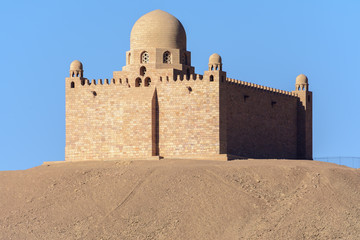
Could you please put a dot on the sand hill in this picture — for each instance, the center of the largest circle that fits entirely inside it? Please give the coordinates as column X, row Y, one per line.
column 249, row 199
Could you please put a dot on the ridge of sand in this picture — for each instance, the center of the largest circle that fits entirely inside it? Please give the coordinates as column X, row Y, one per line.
column 182, row 199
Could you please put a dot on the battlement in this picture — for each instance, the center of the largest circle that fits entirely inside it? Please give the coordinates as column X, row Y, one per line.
column 94, row 82
column 126, row 82
column 260, row 87
column 188, row 77
column 175, row 78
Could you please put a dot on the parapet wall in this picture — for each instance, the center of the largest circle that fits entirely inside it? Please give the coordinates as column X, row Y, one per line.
column 113, row 118
column 261, row 121
column 197, row 115
column 259, row 87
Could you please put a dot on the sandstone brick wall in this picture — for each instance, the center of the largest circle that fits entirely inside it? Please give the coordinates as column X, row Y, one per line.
column 260, row 123
column 193, row 117
column 114, row 121
column 189, row 117
column 111, row 125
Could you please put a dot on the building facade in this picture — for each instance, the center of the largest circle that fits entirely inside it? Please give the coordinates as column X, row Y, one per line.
column 158, row 107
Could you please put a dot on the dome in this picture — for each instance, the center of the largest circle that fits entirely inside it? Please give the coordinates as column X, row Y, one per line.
column 76, row 65
column 158, row 29
column 215, row 59
column 301, row 79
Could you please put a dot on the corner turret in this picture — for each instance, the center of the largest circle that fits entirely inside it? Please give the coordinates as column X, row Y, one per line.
column 215, row 72
column 76, row 69
column 301, row 83
column 304, row 116
column 215, row 62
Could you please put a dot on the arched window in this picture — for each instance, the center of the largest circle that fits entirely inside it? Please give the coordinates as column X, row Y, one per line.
column 211, row 78
column 142, row 71
column 72, row 85
column 147, row 82
column 145, row 57
column 138, row 82
column 184, row 59
column 167, row 57
column 129, row 57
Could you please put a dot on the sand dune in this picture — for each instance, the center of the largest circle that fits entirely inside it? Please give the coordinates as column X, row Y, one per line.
column 168, row 199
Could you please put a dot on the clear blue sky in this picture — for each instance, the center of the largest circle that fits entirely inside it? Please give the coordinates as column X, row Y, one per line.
column 265, row 42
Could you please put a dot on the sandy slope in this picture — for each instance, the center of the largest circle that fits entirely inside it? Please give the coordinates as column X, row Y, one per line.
column 248, row 199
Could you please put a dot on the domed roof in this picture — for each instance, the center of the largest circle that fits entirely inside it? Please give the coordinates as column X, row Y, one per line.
column 215, row 58
column 158, row 29
column 301, row 79
column 76, row 65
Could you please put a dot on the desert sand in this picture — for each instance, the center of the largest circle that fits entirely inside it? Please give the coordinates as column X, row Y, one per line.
column 181, row 199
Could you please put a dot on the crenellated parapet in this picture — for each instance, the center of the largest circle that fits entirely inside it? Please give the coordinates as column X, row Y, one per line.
column 259, row 87
column 83, row 82
column 188, row 77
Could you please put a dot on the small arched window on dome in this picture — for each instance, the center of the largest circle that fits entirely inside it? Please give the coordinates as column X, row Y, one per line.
column 167, row 57
column 138, row 82
column 145, row 57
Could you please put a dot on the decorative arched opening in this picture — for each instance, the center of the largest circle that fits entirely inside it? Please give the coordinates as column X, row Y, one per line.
column 147, row 82
column 129, row 57
column 187, row 74
column 145, row 57
column 211, row 78
column 184, row 59
column 167, row 57
column 72, row 85
column 212, row 68
column 155, row 125
column 138, row 82
column 142, row 71
column 72, row 74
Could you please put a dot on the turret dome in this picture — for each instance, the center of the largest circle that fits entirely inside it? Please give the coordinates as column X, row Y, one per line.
column 215, row 59
column 76, row 65
column 158, row 29
column 301, row 79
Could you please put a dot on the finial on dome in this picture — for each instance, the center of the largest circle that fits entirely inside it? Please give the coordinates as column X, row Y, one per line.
column 215, row 62
column 301, row 83
column 76, row 69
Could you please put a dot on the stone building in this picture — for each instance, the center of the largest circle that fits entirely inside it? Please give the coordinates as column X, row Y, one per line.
column 158, row 107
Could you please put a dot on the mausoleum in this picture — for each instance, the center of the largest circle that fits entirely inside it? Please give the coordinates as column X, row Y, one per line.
column 158, row 107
